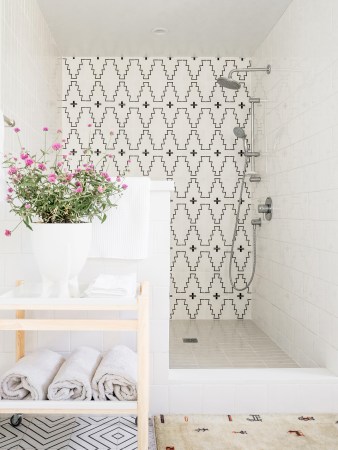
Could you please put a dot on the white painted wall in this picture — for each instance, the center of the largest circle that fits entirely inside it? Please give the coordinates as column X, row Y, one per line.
column 296, row 288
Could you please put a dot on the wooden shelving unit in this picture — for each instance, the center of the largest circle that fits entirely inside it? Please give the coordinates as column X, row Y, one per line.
column 21, row 304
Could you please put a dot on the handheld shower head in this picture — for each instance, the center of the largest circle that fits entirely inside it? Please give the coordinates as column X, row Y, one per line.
column 239, row 133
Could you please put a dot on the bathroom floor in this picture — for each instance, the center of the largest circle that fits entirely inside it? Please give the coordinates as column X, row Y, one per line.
column 223, row 344
column 71, row 433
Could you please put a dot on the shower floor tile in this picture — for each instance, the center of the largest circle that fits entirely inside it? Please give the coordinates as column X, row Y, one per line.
column 224, row 344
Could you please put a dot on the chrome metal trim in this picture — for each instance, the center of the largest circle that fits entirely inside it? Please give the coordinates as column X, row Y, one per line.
column 9, row 122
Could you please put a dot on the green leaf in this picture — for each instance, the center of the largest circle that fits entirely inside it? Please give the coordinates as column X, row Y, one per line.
column 25, row 221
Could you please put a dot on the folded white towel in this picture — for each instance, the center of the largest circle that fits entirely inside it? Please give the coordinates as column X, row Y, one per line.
column 116, row 376
column 30, row 377
column 73, row 380
column 107, row 285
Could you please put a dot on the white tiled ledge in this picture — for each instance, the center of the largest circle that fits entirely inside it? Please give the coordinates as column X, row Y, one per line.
column 198, row 376
column 159, row 185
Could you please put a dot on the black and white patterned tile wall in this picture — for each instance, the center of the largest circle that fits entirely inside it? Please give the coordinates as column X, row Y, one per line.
column 172, row 119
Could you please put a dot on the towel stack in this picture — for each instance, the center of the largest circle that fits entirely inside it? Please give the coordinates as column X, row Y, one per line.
column 107, row 286
column 83, row 376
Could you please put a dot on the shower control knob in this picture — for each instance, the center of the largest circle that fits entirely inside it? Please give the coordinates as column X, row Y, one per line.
column 266, row 208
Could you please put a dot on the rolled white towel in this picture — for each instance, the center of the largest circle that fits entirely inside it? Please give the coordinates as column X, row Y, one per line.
column 73, row 380
column 116, row 376
column 30, row 377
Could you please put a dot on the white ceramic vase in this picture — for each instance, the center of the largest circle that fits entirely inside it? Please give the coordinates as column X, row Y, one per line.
column 61, row 250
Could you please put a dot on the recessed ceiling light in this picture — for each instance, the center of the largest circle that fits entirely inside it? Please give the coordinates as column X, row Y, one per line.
column 160, row 31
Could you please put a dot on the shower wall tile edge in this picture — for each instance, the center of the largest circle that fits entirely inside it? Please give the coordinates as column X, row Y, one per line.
column 296, row 288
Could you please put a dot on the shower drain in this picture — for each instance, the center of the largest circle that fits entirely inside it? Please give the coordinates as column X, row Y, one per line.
column 190, row 340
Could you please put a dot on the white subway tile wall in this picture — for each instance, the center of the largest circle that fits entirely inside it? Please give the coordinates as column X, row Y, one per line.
column 30, row 87
column 296, row 287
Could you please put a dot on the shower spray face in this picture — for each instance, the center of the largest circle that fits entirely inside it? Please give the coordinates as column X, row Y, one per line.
column 228, row 83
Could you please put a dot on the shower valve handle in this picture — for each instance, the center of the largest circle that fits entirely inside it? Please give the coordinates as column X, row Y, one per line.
column 264, row 209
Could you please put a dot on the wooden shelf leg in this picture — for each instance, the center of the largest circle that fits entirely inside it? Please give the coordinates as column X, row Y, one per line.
column 143, row 370
column 20, row 335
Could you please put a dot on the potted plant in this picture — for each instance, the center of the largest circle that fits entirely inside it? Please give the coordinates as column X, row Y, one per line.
column 58, row 203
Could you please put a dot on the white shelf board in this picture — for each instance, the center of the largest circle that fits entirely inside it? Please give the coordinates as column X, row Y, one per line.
column 66, row 407
column 70, row 304
column 28, row 297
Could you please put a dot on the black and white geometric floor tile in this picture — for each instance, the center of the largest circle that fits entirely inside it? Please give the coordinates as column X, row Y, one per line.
column 71, row 433
column 10, row 436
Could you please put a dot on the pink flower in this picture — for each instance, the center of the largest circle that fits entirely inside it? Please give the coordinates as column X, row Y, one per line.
column 78, row 183
column 90, row 125
column 60, row 164
column 12, row 170
column 69, row 176
column 65, row 156
column 118, row 179
column 16, row 130
column 79, row 189
column 108, row 179
column 45, row 129
column 124, row 186
column 42, row 166
column 100, row 189
column 8, row 233
column 52, row 178
column 29, row 162
column 110, row 155
column 56, row 146
column 28, row 206
column 8, row 198
column 24, row 155
column 59, row 131
column 10, row 190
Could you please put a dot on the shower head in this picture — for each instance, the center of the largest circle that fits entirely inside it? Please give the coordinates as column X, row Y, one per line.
column 239, row 132
column 228, row 83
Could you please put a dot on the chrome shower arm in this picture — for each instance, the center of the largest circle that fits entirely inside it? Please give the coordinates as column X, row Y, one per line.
column 266, row 69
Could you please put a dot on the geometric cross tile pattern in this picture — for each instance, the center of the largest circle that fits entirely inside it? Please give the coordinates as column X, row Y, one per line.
column 71, row 433
column 174, row 122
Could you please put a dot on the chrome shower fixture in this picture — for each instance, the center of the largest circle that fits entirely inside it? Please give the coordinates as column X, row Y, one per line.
column 229, row 83
column 266, row 208
column 239, row 132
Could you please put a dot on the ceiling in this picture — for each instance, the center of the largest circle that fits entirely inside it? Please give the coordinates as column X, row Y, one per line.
column 194, row 27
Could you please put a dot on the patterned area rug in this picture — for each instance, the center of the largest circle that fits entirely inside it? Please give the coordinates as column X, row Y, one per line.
column 71, row 433
column 251, row 432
